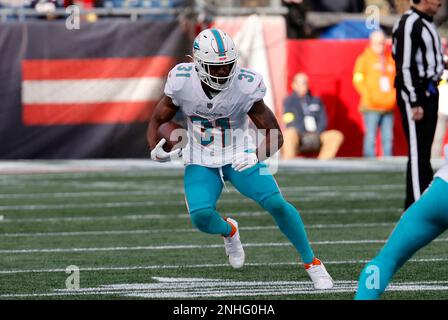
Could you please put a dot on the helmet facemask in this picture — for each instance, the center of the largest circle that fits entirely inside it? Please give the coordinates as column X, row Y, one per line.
column 215, row 82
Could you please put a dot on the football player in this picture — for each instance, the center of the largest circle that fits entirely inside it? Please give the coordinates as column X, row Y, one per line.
column 424, row 221
column 218, row 99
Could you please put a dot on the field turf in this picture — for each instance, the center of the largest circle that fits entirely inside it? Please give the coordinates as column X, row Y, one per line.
column 129, row 234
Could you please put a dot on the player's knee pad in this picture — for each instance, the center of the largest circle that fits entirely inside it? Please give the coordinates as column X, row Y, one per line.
column 275, row 204
column 201, row 218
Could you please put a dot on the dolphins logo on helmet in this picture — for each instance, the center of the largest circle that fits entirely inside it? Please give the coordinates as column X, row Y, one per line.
column 213, row 47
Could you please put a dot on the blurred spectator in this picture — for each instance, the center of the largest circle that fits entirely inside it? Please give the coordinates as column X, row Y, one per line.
column 442, row 121
column 112, row 3
column 47, row 7
column 41, row 3
column 296, row 26
column 14, row 3
column 133, row 3
column 350, row 6
column 255, row 3
column 85, row 5
column 11, row 4
column 306, row 123
column 373, row 78
column 385, row 7
column 401, row 6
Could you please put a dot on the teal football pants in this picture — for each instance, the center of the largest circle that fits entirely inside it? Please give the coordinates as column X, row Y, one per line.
column 203, row 187
column 424, row 221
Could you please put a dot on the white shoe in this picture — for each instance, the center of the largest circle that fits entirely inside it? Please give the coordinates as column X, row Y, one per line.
column 234, row 248
column 319, row 275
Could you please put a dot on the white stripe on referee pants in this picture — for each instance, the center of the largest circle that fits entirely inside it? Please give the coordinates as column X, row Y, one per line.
column 413, row 148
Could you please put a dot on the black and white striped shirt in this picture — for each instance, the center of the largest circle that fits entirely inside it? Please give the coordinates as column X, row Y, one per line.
column 418, row 54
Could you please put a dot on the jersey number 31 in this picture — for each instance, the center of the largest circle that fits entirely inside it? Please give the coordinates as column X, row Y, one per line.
column 206, row 136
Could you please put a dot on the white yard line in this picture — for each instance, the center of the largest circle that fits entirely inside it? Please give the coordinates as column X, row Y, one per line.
column 334, row 196
column 126, row 216
column 187, row 247
column 130, row 166
column 195, row 288
column 74, row 168
column 91, row 218
column 34, row 207
column 134, row 248
column 201, row 266
column 87, row 194
column 143, row 190
column 372, row 187
column 95, row 185
column 154, row 231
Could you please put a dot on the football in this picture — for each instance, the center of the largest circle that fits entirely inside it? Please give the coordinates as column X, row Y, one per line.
column 172, row 138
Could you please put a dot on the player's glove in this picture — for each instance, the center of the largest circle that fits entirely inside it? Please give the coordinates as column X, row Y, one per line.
column 245, row 160
column 160, row 155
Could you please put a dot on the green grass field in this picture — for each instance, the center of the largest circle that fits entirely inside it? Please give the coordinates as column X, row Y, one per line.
column 130, row 235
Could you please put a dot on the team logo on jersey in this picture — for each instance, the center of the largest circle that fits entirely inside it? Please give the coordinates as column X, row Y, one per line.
column 209, row 105
column 196, row 45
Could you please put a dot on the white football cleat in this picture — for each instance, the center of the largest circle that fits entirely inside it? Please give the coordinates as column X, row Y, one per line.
column 319, row 275
column 234, row 248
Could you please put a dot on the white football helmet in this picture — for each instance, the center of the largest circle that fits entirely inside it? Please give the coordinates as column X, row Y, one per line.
column 213, row 47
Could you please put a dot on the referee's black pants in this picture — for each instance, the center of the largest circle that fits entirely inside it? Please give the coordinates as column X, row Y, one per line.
column 420, row 135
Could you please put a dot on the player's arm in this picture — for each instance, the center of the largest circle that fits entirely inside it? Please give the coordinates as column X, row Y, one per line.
column 359, row 76
column 322, row 121
column 265, row 120
column 403, row 56
column 163, row 112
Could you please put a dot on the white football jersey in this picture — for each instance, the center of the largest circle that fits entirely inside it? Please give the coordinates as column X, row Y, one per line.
column 217, row 127
column 443, row 172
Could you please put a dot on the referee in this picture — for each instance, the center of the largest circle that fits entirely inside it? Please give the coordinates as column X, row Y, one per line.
column 417, row 51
